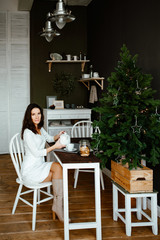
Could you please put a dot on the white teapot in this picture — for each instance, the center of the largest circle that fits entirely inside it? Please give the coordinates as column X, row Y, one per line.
column 65, row 139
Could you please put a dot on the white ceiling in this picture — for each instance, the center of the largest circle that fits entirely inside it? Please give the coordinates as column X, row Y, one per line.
column 24, row 5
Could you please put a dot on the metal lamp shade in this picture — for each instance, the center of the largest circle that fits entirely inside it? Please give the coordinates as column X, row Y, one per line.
column 61, row 16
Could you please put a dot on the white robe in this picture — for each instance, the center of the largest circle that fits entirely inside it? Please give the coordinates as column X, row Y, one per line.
column 34, row 168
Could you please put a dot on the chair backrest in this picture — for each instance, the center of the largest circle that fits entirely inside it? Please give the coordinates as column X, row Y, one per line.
column 83, row 129
column 16, row 150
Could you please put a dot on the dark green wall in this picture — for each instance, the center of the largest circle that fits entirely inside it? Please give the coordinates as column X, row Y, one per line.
column 72, row 40
column 135, row 23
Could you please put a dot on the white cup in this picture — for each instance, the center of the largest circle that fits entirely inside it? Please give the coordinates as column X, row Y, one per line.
column 75, row 58
column 70, row 147
column 68, row 57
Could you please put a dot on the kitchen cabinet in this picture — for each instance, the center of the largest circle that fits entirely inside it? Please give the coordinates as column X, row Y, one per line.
column 63, row 119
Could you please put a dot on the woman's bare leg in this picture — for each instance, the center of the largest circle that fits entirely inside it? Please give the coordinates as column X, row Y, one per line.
column 56, row 172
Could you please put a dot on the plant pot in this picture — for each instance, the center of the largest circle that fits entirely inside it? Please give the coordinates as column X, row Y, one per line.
column 134, row 181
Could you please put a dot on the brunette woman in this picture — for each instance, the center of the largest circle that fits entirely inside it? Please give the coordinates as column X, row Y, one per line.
column 34, row 168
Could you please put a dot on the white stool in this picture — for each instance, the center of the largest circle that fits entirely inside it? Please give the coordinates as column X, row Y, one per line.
column 152, row 221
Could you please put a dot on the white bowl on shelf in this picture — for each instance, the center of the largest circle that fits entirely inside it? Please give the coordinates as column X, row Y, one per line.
column 55, row 56
column 95, row 74
column 85, row 75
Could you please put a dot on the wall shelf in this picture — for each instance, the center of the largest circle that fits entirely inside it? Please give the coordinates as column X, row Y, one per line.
column 66, row 61
column 98, row 80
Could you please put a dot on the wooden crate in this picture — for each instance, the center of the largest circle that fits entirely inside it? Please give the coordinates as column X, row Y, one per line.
column 134, row 181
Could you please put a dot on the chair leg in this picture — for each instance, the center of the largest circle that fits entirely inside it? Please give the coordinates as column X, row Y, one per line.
column 76, row 178
column 34, row 209
column 102, row 180
column 17, row 198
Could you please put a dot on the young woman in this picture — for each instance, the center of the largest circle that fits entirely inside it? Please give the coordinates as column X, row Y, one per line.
column 34, row 168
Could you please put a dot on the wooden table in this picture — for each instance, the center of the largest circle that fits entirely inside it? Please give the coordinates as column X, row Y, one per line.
column 75, row 161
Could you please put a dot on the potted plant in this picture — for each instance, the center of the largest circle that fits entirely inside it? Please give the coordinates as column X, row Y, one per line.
column 129, row 119
column 64, row 83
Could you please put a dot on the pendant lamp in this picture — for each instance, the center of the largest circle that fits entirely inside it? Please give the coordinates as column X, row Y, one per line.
column 61, row 16
column 48, row 32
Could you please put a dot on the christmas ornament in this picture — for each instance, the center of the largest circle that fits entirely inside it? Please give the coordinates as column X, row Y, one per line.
column 118, row 156
column 138, row 90
column 157, row 115
column 136, row 128
column 115, row 99
column 134, row 65
column 97, row 138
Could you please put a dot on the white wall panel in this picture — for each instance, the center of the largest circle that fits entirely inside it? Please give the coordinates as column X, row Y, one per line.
column 19, row 69
column 4, row 132
column 19, row 56
column 3, row 91
column 4, row 94
column 3, row 24
column 16, row 122
column 19, row 27
column 18, row 104
column 3, row 59
column 19, row 82
column 14, row 73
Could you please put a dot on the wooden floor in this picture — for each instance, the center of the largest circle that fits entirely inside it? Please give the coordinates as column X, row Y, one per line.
column 81, row 204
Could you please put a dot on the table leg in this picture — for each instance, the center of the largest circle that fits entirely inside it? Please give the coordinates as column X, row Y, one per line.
column 154, row 214
column 138, row 205
column 65, row 199
column 128, row 214
column 115, row 202
column 98, row 202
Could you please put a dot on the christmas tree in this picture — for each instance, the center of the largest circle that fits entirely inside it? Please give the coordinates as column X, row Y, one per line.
column 129, row 121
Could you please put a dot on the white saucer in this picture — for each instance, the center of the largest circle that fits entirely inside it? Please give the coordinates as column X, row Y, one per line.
column 73, row 150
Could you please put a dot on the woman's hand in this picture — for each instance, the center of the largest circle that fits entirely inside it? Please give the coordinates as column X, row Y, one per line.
column 56, row 137
column 58, row 145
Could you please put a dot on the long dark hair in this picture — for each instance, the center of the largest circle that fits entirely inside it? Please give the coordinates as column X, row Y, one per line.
column 27, row 121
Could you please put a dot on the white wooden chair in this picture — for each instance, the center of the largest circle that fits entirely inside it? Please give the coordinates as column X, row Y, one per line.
column 17, row 153
column 84, row 129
